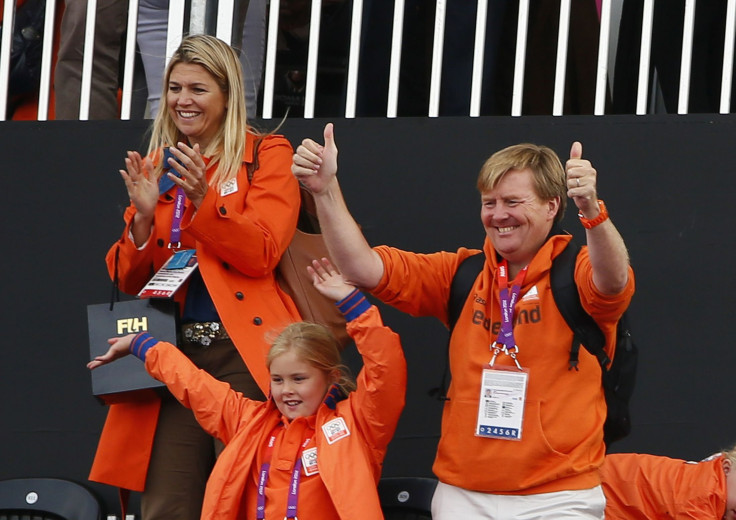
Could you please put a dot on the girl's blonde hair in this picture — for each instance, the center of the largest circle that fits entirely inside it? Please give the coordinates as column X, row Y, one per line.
column 314, row 344
column 228, row 145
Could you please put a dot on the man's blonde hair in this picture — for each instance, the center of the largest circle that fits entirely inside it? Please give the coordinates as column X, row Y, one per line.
column 549, row 176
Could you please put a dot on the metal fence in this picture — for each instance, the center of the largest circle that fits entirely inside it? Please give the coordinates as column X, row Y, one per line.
column 192, row 12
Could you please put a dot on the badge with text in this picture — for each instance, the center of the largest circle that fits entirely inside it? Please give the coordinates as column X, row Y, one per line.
column 309, row 461
column 335, row 430
column 501, row 404
column 171, row 276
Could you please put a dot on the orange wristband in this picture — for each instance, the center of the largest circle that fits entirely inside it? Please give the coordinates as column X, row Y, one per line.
column 593, row 222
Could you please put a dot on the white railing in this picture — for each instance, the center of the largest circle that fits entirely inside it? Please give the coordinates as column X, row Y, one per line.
column 224, row 30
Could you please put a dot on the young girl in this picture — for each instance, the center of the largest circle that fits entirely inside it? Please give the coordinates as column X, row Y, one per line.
column 650, row 487
column 310, row 450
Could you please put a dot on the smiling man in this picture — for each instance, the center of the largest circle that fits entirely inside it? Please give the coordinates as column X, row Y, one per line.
column 522, row 435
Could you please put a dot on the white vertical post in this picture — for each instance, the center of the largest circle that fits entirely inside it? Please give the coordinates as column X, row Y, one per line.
column 129, row 60
column 6, row 43
column 561, row 66
column 44, row 88
column 727, row 77
column 353, row 59
column 87, row 60
column 175, row 31
column 686, row 61
column 476, row 87
column 435, row 82
column 520, row 61
column 395, row 66
column 312, row 59
column 270, row 71
column 601, row 82
column 644, row 55
column 225, row 15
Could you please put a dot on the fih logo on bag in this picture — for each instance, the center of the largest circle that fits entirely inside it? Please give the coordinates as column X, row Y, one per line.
column 131, row 325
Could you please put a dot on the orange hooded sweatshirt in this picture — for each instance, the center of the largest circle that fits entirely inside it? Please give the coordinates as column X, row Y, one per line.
column 562, row 431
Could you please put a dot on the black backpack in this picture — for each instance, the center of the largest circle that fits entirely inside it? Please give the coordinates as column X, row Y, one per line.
column 619, row 376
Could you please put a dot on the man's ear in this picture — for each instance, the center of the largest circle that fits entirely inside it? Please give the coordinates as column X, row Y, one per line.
column 726, row 465
column 554, row 206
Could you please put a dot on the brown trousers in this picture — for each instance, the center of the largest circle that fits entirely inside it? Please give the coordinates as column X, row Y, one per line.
column 111, row 20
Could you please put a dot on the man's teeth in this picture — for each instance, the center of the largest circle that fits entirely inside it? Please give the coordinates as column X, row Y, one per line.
column 506, row 229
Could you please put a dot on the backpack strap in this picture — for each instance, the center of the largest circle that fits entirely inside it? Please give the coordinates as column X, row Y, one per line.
column 462, row 283
column 565, row 292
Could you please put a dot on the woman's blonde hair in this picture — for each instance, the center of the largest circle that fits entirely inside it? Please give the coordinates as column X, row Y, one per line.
column 314, row 344
column 549, row 176
column 228, row 145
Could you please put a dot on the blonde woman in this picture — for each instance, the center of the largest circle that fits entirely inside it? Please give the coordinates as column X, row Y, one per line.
column 192, row 194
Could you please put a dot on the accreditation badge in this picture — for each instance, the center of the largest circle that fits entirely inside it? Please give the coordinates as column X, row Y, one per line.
column 171, row 276
column 501, row 403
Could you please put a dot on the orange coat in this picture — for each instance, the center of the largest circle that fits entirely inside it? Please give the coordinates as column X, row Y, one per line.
column 239, row 239
column 552, row 455
column 349, row 467
column 649, row 487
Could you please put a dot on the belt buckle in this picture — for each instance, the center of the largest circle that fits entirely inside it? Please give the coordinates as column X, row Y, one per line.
column 202, row 333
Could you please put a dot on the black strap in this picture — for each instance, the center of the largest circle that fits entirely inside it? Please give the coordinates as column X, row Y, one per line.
column 462, row 283
column 115, row 294
column 565, row 292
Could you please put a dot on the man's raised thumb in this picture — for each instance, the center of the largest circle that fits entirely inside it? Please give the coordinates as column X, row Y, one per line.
column 329, row 135
column 576, row 151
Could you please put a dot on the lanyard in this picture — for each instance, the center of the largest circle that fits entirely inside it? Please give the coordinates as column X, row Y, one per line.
column 175, row 237
column 505, row 341
column 263, row 478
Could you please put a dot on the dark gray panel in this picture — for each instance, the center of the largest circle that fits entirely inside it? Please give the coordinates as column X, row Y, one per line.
column 668, row 182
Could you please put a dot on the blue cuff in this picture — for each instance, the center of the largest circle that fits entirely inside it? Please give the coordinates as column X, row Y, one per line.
column 140, row 345
column 353, row 305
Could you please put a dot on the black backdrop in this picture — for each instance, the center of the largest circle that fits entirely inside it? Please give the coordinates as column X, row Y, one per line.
column 668, row 181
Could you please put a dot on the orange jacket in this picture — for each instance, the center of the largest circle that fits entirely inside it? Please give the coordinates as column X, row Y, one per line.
column 649, row 487
column 239, row 239
column 349, row 467
column 562, row 431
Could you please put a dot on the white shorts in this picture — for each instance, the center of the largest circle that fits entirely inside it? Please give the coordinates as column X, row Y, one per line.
column 453, row 503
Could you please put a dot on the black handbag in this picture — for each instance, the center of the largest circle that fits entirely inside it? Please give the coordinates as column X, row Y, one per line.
column 124, row 379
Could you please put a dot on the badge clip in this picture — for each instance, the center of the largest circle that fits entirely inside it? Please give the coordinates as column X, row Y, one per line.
column 509, row 352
